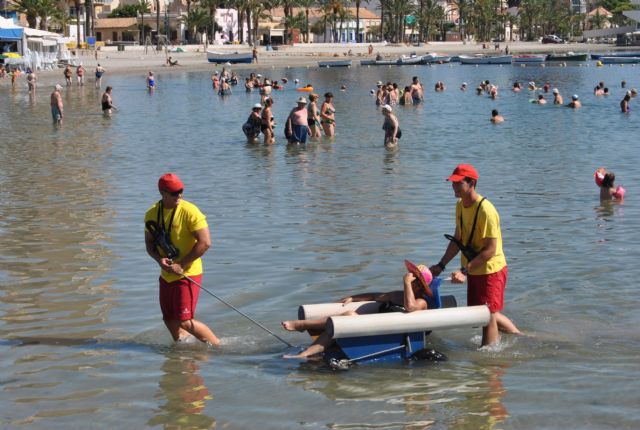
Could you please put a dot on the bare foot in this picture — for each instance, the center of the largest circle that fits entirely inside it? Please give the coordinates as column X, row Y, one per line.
column 293, row 325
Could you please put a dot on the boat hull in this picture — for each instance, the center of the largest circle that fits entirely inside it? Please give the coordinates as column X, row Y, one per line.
column 435, row 59
column 527, row 59
column 615, row 54
column 502, row 59
column 338, row 63
column 221, row 58
column 619, row 60
column 575, row 57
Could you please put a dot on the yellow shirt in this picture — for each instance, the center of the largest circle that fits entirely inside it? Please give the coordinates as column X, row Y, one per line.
column 186, row 220
column 487, row 226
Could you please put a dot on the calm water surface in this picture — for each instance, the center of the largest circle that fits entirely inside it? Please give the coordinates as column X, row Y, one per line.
column 81, row 337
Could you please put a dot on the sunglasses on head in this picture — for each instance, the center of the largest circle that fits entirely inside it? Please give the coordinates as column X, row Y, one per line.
column 176, row 193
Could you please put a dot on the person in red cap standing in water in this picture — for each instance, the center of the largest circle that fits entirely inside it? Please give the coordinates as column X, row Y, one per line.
column 176, row 236
column 484, row 266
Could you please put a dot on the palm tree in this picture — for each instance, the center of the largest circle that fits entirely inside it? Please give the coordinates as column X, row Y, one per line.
column 196, row 21
column 307, row 4
column 31, row 8
column 61, row 18
column 358, row 2
column 89, row 17
column 211, row 6
column 143, row 7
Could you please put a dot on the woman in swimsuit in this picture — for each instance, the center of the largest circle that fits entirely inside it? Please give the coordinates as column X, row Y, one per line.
column 267, row 124
column 313, row 116
column 107, row 101
column 99, row 73
column 327, row 113
column 151, row 81
column 391, row 127
column 251, row 128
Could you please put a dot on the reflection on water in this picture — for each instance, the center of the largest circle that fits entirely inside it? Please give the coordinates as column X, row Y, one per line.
column 183, row 394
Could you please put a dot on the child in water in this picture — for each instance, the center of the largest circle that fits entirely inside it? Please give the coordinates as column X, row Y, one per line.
column 606, row 181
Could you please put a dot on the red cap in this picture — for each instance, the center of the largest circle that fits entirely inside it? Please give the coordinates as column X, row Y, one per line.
column 170, row 182
column 463, row 171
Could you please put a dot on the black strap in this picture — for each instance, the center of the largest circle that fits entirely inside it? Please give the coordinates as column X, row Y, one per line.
column 160, row 218
column 473, row 227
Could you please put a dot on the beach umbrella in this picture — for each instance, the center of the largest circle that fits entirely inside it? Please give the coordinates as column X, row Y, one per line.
column 12, row 55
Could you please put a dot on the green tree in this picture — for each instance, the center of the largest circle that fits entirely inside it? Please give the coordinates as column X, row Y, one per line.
column 307, row 5
column 34, row 9
column 143, row 7
column 124, row 11
column 196, row 22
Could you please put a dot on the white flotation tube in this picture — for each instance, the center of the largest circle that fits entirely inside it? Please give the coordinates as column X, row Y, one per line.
column 396, row 322
column 324, row 310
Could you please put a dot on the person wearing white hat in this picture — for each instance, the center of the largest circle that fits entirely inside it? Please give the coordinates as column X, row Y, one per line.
column 56, row 104
column 296, row 128
column 391, row 127
column 380, row 94
column 574, row 103
column 557, row 98
column 463, row 87
column 251, row 128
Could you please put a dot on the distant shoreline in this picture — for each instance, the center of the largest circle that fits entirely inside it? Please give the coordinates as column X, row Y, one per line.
column 134, row 61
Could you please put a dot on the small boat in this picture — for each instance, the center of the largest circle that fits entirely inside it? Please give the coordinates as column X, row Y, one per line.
column 619, row 60
column 435, row 58
column 367, row 62
column 233, row 58
column 413, row 59
column 372, row 337
column 615, row 54
column 481, row 59
column 567, row 57
column 335, row 63
column 527, row 59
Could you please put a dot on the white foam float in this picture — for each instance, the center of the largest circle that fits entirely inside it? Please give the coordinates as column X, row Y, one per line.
column 396, row 322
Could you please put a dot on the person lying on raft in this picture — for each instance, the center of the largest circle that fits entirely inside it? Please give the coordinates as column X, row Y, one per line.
column 412, row 298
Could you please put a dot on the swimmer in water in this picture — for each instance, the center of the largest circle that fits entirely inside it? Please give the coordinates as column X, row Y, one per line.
column 496, row 118
column 606, row 181
column 624, row 104
column 327, row 115
column 541, row 100
column 575, row 102
column 557, row 98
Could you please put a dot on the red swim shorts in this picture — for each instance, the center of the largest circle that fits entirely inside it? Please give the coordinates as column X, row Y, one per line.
column 178, row 299
column 487, row 290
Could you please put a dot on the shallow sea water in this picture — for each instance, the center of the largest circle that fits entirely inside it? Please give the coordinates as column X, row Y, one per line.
column 81, row 337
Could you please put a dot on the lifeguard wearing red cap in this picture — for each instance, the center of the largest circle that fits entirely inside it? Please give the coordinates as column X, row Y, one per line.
column 463, row 171
column 170, row 182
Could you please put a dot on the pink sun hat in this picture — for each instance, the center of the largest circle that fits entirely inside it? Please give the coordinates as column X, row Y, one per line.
column 421, row 272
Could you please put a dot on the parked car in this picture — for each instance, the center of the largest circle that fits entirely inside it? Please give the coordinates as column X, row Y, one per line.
column 552, row 38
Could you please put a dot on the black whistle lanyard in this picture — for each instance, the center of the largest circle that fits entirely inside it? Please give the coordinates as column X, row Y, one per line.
column 473, row 227
column 160, row 218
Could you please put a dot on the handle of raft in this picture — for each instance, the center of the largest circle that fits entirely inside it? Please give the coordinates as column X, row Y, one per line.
column 237, row 310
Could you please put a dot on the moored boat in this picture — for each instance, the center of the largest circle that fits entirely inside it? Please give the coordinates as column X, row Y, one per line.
column 413, row 59
column 615, row 54
column 481, row 59
column 529, row 58
column 335, row 63
column 567, row 57
column 435, row 58
column 233, row 58
column 619, row 60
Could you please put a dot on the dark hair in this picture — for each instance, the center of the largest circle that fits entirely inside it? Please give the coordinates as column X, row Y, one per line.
column 109, row 88
column 540, row 96
column 494, row 112
column 608, row 180
column 313, row 97
column 470, row 181
column 328, row 95
column 268, row 101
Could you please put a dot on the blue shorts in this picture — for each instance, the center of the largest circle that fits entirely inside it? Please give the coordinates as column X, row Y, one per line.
column 56, row 114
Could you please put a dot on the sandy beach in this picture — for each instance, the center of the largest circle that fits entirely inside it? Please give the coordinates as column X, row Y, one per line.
column 134, row 59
